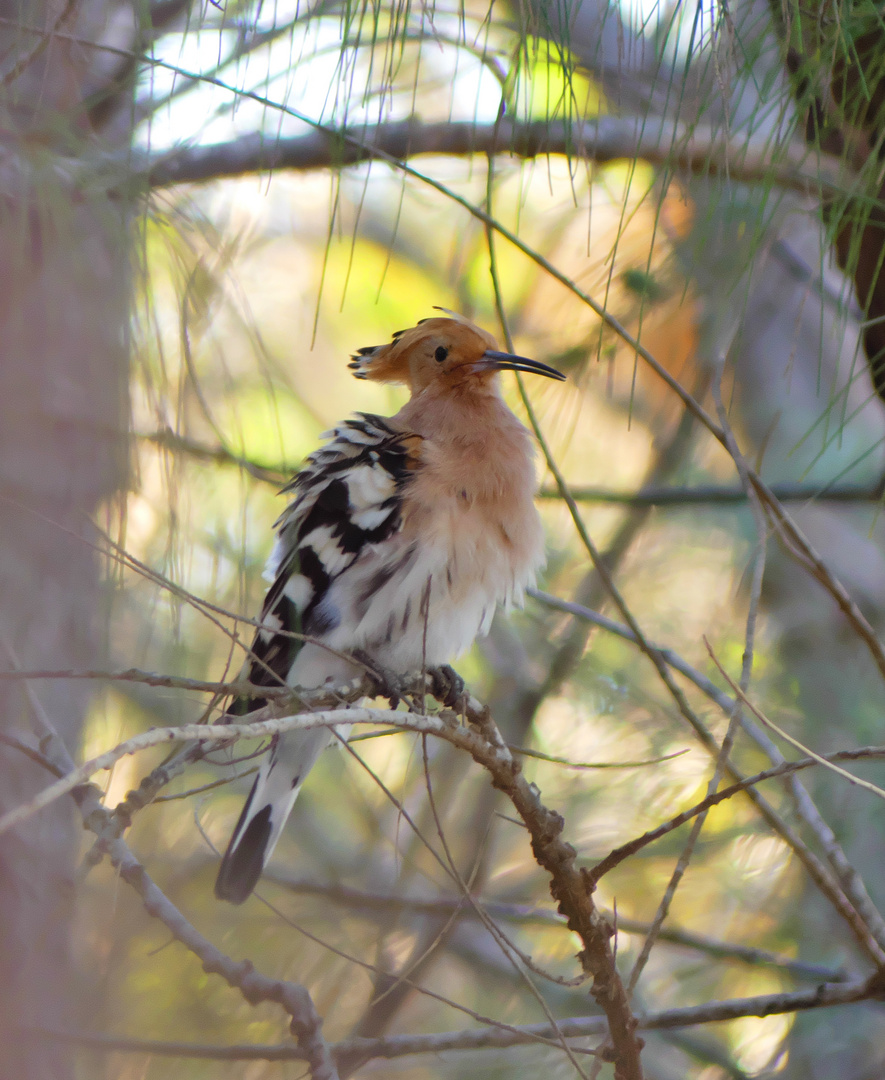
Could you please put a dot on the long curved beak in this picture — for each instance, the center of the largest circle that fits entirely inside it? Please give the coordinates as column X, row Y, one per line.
column 502, row 361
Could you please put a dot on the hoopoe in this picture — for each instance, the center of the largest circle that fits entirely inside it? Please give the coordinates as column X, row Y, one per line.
column 403, row 535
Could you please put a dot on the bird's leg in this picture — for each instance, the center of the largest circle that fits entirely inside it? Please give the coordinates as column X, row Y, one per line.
column 387, row 683
column 446, row 685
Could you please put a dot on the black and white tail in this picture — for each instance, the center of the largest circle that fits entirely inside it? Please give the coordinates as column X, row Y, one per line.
column 269, row 804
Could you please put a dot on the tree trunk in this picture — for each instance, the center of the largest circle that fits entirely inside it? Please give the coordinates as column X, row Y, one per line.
column 64, row 295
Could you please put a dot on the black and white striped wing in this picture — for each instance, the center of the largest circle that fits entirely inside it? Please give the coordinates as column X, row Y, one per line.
column 348, row 496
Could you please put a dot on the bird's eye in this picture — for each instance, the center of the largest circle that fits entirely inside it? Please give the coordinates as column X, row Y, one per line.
column 441, row 353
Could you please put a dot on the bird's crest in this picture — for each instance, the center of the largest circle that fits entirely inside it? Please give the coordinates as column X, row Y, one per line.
column 390, row 362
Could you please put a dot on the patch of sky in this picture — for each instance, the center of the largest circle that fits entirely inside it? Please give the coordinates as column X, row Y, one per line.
column 266, row 71
column 682, row 28
column 238, row 89
column 643, row 15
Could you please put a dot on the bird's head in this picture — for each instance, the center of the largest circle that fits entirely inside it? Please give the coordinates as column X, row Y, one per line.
column 453, row 352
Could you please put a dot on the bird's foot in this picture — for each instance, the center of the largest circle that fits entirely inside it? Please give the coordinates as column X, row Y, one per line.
column 446, row 685
column 387, row 683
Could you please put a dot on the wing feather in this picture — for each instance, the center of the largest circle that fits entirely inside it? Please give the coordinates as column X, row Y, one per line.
column 348, row 495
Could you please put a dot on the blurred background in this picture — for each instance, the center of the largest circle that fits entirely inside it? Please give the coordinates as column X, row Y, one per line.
column 189, row 257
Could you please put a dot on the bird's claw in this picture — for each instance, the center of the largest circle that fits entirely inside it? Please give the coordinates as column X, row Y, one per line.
column 387, row 683
column 446, row 685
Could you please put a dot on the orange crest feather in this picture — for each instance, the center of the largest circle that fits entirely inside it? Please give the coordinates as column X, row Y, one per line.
column 389, row 363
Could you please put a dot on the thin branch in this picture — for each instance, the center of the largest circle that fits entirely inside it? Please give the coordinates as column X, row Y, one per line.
column 650, row 495
column 235, row 688
column 114, row 1044
column 612, row 626
column 167, row 439
column 152, row 678
column 305, row 1023
column 699, row 150
column 713, row 495
column 586, row 766
column 29, row 752
column 395, row 1046
column 278, row 724
column 820, row 759
column 787, row 768
column 385, row 903
column 205, row 787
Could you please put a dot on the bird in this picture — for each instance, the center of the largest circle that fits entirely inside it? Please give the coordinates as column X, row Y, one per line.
column 403, row 535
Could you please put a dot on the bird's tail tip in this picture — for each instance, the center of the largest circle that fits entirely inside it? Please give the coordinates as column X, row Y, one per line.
column 244, row 859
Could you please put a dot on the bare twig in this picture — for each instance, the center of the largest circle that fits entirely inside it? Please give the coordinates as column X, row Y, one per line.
column 384, row 903
column 714, row 495
column 29, row 752
column 787, row 768
column 606, row 138
column 649, row 495
column 395, row 1046
column 222, row 782
column 305, row 1023
column 176, row 682
column 167, row 439
column 820, row 759
column 216, row 733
